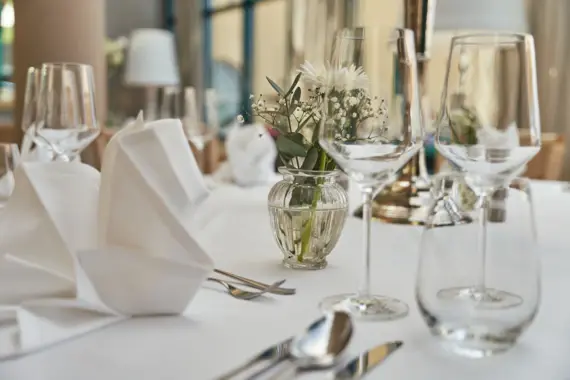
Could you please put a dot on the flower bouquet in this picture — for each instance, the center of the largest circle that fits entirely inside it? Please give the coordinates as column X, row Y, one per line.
column 308, row 208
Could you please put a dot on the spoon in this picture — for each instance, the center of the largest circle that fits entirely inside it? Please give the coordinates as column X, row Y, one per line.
column 317, row 348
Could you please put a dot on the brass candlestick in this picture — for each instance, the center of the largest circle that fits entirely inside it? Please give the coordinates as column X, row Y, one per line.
column 400, row 202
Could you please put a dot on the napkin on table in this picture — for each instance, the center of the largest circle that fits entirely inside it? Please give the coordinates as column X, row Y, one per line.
column 141, row 260
column 251, row 155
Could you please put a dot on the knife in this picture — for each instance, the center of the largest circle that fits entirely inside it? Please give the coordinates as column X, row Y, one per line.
column 358, row 367
column 273, row 353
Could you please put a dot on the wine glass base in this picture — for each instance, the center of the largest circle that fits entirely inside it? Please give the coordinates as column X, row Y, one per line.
column 487, row 298
column 373, row 307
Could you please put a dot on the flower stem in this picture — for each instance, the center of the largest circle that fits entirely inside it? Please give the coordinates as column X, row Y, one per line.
column 306, row 235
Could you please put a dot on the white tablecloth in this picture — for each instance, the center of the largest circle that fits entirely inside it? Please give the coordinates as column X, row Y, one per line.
column 221, row 332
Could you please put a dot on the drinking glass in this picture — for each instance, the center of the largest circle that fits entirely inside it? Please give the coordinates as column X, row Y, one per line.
column 170, row 105
column 449, row 264
column 30, row 100
column 490, row 93
column 200, row 133
column 9, row 159
column 65, row 119
column 371, row 126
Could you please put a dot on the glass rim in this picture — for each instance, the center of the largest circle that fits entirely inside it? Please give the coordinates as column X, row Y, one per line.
column 64, row 65
column 308, row 173
column 498, row 38
column 352, row 30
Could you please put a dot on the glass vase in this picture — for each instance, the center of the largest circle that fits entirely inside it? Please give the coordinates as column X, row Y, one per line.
column 307, row 210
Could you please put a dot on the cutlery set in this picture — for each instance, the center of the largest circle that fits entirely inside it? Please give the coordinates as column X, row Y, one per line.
column 242, row 294
column 318, row 348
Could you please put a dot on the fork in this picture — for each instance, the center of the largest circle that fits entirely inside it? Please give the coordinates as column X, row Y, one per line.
column 244, row 294
column 256, row 284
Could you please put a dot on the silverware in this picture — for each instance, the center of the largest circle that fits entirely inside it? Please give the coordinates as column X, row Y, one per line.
column 276, row 352
column 256, row 284
column 317, row 348
column 367, row 361
column 244, row 294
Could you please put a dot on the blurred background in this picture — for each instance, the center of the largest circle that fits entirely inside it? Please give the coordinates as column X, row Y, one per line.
column 232, row 45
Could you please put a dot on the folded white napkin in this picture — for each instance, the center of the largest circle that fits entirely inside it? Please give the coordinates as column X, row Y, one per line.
column 125, row 249
column 251, row 155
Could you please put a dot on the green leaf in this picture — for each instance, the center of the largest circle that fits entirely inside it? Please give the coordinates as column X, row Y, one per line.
column 297, row 137
column 275, row 86
column 310, row 159
column 296, row 95
column 293, row 85
column 289, row 146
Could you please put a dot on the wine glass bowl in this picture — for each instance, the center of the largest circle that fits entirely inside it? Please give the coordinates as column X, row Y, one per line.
column 65, row 119
column 371, row 126
column 489, row 94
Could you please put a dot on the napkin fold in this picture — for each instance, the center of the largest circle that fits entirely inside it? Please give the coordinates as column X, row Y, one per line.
column 136, row 255
column 251, row 155
column 51, row 214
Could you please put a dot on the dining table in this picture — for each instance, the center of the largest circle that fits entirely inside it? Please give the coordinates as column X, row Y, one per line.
column 219, row 332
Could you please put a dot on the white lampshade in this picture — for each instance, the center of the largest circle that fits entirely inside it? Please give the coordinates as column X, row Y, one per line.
column 481, row 15
column 151, row 59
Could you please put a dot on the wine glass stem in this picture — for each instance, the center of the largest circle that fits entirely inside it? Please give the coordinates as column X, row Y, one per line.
column 364, row 291
column 483, row 243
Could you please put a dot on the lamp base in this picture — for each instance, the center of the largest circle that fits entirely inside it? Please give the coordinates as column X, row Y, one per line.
column 400, row 203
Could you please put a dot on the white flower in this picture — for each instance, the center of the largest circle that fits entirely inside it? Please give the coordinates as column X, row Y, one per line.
column 336, row 106
column 354, row 114
column 324, row 75
column 353, row 101
column 334, row 99
column 281, row 101
column 343, row 120
column 298, row 112
column 251, row 96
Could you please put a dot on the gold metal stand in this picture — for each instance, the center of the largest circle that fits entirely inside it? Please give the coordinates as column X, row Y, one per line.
column 401, row 202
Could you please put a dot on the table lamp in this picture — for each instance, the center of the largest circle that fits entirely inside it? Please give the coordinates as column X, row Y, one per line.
column 152, row 64
column 481, row 15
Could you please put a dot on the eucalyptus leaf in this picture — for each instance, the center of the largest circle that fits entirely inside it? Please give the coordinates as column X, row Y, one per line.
column 293, row 85
column 275, row 86
column 310, row 159
column 297, row 137
column 287, row 146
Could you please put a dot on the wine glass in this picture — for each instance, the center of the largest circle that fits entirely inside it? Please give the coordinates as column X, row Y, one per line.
column 449, row 264
column 200, row 133
column 371, row 126
column 65, row 119
column 490, row 93
column 30, row 101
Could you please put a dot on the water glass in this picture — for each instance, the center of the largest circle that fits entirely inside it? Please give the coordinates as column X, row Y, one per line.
column 9, row 160
column 200, row 133
column 452, row 271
